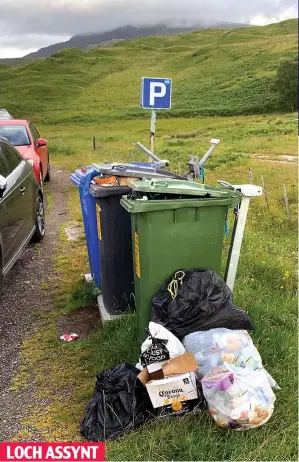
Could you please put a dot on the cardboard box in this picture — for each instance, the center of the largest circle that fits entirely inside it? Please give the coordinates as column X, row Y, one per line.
column 174, row 390
column 171, row 385
column 179, row 365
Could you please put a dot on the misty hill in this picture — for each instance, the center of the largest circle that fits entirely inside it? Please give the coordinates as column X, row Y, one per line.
column 124, row 33
column 214, row 72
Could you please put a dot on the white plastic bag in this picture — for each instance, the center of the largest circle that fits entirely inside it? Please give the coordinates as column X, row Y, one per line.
column 170, row 347
column 216, row 347
column 238, row 398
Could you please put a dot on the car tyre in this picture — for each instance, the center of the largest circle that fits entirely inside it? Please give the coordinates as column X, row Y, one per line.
column 39, row 220
column 48, row 175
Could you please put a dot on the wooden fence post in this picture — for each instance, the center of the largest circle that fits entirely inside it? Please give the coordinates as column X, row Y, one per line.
column 250, row 175
column 94, row 143
column 265, row 192
column 286, row 200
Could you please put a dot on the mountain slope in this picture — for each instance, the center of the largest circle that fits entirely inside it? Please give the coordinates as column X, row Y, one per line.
column 128, row 32
column 214, row 72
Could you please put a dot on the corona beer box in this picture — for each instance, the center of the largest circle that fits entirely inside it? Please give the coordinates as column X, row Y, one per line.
column 173, row 391
column 171, row 385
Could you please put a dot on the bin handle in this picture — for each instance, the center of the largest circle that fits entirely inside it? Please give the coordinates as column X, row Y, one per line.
column 158, row 183
column 225, row 184
column 120, row 168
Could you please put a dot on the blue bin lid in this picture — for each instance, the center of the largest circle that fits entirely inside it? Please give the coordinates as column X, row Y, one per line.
column 82, row 177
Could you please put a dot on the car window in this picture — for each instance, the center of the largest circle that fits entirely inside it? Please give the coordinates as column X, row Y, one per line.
column 12, row 157
column 15, row 134
column 34, row 132
column 3, row 166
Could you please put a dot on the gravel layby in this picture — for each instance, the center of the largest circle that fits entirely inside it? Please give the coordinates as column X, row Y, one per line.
column 22, row 295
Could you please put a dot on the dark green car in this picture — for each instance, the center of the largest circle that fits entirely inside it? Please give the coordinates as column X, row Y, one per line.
column 21, row 207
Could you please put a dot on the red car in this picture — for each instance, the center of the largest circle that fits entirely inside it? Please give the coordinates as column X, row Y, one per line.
column 25, row 137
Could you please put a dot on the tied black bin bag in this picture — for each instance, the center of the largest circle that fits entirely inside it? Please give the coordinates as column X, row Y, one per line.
column 120, row 404
column 193, row 300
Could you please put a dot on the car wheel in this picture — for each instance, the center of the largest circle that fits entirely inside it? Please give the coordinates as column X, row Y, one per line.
column 39, row 221
column 48, row 175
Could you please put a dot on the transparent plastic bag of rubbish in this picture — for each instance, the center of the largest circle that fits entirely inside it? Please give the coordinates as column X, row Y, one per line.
column 238, row 398
column 216, row 347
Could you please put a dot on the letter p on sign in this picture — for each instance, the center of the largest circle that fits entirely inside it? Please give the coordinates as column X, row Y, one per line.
column 156, row 93
column 157, row 90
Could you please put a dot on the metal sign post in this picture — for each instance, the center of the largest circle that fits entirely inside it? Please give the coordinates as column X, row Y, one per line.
column 248, row 192
column 153, row 130
column 155, row 94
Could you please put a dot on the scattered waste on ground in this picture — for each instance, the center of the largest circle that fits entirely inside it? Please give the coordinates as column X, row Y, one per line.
column 238, row 398
column 198, row 354
column 120, row 404
column 69, row 337
column 194, row 300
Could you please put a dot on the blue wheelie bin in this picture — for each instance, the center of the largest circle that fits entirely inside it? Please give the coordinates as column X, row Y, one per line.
column 82, row 178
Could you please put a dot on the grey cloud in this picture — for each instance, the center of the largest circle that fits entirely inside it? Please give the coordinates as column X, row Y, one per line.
column 48, row 19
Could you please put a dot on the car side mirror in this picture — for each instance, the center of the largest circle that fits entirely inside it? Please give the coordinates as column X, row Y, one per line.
column 41, row 142
column 3, row 185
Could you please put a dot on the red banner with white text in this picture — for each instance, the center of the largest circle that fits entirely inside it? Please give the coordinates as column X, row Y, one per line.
column 46, row 452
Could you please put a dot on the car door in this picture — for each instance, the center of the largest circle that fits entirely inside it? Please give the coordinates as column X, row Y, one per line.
column 16, row 202
column 41, row 151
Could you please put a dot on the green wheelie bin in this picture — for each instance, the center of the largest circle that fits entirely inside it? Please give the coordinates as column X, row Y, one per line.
column 175, row 224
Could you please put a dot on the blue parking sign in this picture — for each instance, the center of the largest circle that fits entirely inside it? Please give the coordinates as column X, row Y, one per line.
column 155, row 93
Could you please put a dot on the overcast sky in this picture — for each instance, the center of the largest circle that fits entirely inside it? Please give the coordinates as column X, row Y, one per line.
column 27, row 25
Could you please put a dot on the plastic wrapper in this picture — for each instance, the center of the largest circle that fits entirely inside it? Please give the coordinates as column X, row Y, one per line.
column 194, row 300
column 238, row 398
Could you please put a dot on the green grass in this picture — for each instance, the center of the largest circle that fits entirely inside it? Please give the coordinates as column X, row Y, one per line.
column 84, row 294
column 266, row 287
column 214, row 72
column 70, row 146
column 96, row 94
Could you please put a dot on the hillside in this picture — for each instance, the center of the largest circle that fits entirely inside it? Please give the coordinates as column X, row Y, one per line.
column 84, row 41
column 214, row 72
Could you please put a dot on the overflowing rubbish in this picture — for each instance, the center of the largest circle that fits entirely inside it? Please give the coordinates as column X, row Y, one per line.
column 173, row 386
column 216, row 367
column 120, row 404
column 195, row 300
column 198, row 353
column 133, row 171
column 159, row 346
column 238, row 398
column 68, row 337
column 216, row 347
column 170, row 233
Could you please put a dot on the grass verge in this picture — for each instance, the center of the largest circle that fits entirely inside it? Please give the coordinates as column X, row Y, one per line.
column 64, row 374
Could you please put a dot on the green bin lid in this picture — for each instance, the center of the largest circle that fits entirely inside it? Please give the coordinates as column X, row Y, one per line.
column 174, row 186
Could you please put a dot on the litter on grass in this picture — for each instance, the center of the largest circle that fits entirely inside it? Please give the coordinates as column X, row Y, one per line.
column 68, row 337
column 238, row 398
column 194, row 300
column 215, row 367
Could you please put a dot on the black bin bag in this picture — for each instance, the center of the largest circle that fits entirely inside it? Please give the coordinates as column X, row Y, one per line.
column 120, row 404
column 193, row 300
